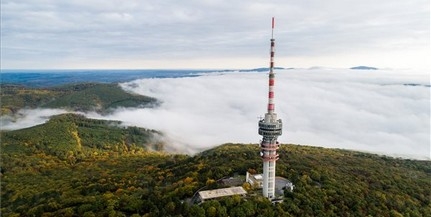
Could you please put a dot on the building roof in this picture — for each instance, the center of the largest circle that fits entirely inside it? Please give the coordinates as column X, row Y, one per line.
column 222, row 192
column 232, row 181
column 258, row 177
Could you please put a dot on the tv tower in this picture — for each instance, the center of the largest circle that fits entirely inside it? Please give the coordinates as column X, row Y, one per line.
column 270, row 128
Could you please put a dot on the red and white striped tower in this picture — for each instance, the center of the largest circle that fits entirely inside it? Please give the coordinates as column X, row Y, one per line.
column 270, row 128
column 271, row 106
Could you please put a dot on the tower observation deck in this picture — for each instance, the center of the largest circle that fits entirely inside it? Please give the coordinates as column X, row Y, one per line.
column 270, row 128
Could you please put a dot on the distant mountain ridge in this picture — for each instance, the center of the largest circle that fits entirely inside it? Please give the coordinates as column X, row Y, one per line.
column 57, row 77
column 364, row 68
column 262, row 69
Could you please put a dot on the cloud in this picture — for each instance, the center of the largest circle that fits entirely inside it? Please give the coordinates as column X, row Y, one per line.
column 155, row 34
column 28, row 118
column 384, row 111
column 371, row 111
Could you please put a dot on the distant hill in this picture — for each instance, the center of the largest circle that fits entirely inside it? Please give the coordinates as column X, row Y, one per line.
column 99, row 97
column 263, row 69
column 364, row 68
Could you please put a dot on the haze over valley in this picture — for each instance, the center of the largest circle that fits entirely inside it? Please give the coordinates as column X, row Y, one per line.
column 378, row 111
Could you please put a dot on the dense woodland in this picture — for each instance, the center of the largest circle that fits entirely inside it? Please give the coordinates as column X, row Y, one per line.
column 99, row 97
column 73, row 166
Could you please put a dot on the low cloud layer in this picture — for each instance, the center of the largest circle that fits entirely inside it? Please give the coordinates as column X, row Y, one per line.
column 28, row 118
column 384, row 112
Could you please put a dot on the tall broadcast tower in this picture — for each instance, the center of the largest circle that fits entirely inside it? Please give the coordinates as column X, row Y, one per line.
column 270, row 128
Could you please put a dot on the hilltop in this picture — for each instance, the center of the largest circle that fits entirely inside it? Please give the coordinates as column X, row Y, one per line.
column 364, row 68
column 99, row 97
column 74, row 166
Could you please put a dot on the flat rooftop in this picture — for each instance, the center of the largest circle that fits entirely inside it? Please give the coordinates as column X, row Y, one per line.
column 222, row 192
column 258, row 177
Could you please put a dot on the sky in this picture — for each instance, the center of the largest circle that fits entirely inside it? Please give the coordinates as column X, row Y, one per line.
column 213, row 34
column 372, row 110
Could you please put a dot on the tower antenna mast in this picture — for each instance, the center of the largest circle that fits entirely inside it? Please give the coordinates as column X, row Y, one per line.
column 272, row 30
column 270, row 128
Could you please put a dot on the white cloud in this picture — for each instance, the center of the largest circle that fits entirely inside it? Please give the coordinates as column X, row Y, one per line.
column 374, row 111
column 362, row 110
column 28, row 118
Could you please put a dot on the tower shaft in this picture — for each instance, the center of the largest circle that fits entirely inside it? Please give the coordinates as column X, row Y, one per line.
column 270, row 128
column 271, row 105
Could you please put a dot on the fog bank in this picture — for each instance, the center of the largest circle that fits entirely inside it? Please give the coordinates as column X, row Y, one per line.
column 379, row 111
column 385, row 112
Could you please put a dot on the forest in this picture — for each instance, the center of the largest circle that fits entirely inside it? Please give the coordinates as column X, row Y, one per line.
column 98, row 97
column 74, row 166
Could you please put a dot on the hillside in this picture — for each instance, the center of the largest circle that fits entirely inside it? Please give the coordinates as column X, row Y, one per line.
column 99, row 97
column 73, row 166
column 73, row 136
